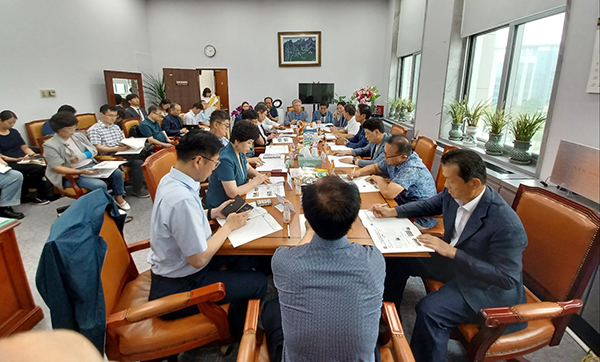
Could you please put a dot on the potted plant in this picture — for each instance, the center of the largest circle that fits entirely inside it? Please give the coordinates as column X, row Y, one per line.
column 400, row 110
column 524, row 128
column 409, row 108
column 393, row 103
column 456, row 111
column 496, row 121
column 155, row 88
column 472, row 116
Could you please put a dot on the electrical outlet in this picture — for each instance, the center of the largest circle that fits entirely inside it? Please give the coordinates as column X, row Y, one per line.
column 44, row 93
column 52, row 93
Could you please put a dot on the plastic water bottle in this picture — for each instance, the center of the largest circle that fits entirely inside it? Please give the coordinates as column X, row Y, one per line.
column 298, row 186
column 286, row 214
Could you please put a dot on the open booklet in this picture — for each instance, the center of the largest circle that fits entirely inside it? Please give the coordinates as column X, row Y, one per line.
column 392, row 235
column 105, row 169
column 4, row 168
column 136, row 145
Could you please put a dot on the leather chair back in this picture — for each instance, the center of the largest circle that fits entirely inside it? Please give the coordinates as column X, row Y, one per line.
column 34, row 131
column 440, row 180
column 118, row 268
column 398, row 129
column 86, row 120
column 158, row 165
column 127, row 124
column 563, row 248
column 291, row 108
column 426, row 150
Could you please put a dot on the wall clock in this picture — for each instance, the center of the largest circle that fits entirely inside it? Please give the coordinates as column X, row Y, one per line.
column 210, row 51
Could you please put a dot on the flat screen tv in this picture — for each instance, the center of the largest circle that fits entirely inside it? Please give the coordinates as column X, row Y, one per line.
column 310, row 93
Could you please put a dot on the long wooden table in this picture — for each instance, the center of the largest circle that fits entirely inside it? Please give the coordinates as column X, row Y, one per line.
column 267, row 244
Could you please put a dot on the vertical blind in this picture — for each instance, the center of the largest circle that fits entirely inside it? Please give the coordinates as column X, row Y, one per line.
column 483, row 15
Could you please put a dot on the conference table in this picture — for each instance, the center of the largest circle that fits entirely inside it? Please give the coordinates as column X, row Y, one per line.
column 267, row 245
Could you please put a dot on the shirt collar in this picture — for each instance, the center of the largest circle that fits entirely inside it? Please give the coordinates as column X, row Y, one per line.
column 471, row 205
column 185, row 179
column 337, row 243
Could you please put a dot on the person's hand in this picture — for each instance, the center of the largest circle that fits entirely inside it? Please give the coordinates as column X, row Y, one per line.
column 255, row 161
column 374, row 179
column 73, row 159
column 184, row 130
column 382, row 211
column 335, row 114
column 341, row 141
column 217, row 212
column 343, row 153
column 260, row 179
column 167, row 145
column 122, row 147
column 2, row 162
column 271, row 136
column 440, row 246
column 235, row 221
column 319, row 122
column 346, row 160
column 353, row 174
column 88, row 171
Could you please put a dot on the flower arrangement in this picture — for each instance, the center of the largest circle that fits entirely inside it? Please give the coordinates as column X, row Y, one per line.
column 236, row 112
column 366, row 95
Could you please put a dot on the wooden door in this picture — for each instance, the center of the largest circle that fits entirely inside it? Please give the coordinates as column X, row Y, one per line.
column 182, row 87
column 221, row 88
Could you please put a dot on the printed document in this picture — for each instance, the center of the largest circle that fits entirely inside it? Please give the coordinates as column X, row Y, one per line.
column 136, row 145
column 282, row 140
column 105, row 169
column 392, row 235
column 276, row 187
column 272, row 163
column 277, row 149
column 362, row 184
column 339, row 148
column 337, row 163
column 260, row 223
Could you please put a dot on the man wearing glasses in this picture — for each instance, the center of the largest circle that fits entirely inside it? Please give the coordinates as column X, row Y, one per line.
column 150, row 128
column 410, row 180
column 181, row 240
column 219, row 125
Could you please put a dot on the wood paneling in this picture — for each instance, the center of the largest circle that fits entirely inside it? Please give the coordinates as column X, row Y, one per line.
column 182, row 86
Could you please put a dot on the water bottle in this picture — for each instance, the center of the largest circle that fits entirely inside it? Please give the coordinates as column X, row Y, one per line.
column 286, row 214
column 298, row 186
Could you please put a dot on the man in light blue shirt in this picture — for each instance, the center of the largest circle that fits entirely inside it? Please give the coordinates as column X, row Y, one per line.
column 374, row 150
column 196, row 116
column 297, row 114
column 181, row 239
column 326, row 270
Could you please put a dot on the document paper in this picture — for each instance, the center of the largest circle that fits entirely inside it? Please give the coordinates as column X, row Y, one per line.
column 105, row 169
column 362, row 184
column 136, row 145
column 337, row 163
column 276, row 187
column 272, row 163
column 392, row 235
column 260, row 223
column 277, row 149
column 282, row 140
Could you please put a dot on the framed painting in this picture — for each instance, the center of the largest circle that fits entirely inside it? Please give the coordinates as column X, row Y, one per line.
column 299, row 49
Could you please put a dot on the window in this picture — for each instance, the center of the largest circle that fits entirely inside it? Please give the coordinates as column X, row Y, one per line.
column 409, row 76
column 513, row 67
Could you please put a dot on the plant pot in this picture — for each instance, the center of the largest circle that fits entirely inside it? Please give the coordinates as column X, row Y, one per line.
column 400, row 115
column 456, row 133
column 408, row 116
column 520, row 153
column 470, row 138
column 392, row 113
column 494, row 145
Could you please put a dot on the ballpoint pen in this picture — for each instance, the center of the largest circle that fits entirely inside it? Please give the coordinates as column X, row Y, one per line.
column 288, row 229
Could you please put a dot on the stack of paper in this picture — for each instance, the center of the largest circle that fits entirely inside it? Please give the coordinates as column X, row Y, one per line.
column 282, row 140
column 337, row 163
column 260, row 223
column 4, row 168
column 339, row 148
column 277, row 149
column 329, row 136
column 362, row 184
column 136, row 146
column 272, row 163
column 392, row 235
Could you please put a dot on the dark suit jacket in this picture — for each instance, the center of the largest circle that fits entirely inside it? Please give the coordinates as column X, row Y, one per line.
column 172, row 125
column 132, row 113
column 488, row 265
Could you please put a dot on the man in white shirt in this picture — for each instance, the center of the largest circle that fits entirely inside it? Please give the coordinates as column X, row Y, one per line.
column 263, row 118
column 219, row 125
column 352, row 127
column 195, row 116
column 479, row 257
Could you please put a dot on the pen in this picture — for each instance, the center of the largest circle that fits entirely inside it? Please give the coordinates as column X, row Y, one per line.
column 288, row 228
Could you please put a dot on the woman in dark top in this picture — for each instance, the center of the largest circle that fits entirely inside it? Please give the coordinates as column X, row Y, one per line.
column 14, row 150
column 245, row 107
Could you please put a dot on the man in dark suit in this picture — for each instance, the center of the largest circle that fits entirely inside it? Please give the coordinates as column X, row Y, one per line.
column 134, row 110
column 479, row 258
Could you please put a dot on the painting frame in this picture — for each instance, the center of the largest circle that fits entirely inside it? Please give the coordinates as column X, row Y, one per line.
column 287, row 37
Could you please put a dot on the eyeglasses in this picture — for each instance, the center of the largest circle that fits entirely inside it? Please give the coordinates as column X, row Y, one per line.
column 385, row 155
column 217, row 162
column 225, row 124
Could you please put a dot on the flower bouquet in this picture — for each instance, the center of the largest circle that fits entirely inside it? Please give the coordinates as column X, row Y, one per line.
column 238, row 111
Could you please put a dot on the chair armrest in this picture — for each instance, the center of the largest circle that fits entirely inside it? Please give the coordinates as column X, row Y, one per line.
column 168, row 304
column 140, row 245
column 72, row 177
column 493, row 317
column 402, row 350
column 108, row 158
column 247, row 348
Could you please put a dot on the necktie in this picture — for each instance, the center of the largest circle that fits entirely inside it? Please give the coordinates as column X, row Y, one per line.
column 140, row 113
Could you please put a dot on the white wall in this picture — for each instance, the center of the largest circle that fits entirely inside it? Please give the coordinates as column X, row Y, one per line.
column 65, row 45
column 355, row 43
column 576, row 114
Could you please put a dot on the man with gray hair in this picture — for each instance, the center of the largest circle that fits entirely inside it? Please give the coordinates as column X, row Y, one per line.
column 295, row 115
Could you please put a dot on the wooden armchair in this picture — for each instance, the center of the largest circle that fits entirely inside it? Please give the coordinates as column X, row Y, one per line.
column 127, row 124
column 398, row 129
column 440, row 184
column 34, row 131
column 558, row 264
column 156, row 166
column 86, row 120
column 426, row 148
column 134, row 331
column 394, row 346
